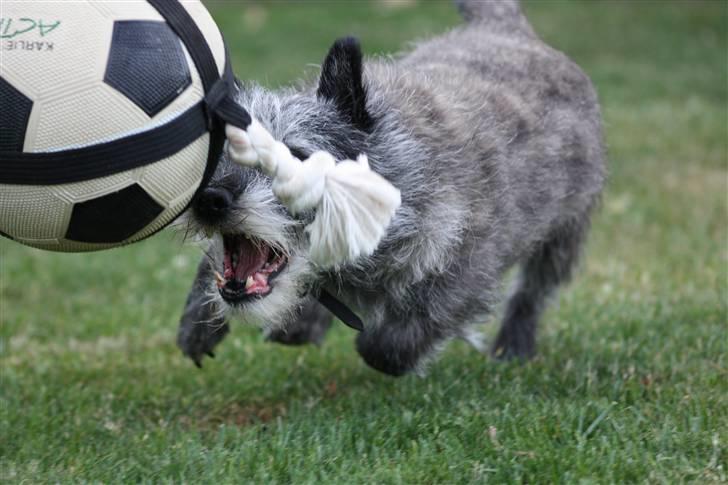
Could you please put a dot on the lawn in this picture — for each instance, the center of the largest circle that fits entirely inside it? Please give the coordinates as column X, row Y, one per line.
column 631, row 383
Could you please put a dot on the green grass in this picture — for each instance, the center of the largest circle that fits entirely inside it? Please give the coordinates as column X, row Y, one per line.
column 631, row 381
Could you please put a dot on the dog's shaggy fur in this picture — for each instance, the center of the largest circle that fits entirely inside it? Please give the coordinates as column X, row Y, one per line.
column 494, row 140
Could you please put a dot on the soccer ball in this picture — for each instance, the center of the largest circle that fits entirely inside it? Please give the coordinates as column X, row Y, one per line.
column 78, row 78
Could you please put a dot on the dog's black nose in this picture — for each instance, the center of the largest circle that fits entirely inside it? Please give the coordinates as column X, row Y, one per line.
column 213, row 204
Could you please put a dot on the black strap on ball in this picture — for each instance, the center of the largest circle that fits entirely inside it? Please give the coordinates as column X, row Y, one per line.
column 103, row 159
column 220, row 91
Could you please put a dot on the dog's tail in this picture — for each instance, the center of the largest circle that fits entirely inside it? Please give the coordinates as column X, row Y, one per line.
column 505, row 14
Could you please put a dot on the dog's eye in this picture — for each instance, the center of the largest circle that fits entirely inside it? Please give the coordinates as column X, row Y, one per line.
column 298, row 153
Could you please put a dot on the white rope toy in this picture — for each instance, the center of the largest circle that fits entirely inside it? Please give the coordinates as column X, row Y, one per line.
column 354, row 205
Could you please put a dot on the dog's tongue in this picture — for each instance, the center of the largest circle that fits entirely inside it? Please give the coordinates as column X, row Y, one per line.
column 243, row 258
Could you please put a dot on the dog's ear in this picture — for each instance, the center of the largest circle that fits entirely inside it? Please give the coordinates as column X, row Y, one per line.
column 341, row 82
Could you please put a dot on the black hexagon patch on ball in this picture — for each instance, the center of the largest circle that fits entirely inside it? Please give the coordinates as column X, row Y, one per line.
column 147, row 64
column 14, row 118
column 114, row 217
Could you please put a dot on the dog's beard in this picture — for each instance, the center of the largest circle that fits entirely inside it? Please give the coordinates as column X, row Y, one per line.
column 256, row 254
column 279, row 306
column 270, row 309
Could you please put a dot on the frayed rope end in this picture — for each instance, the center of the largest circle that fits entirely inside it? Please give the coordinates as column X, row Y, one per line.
column 354, row 205
column 353, row 215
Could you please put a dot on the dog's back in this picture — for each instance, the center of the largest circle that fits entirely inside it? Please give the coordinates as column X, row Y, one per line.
column 510, row 124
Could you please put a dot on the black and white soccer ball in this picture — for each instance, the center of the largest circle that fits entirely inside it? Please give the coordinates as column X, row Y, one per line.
column 75, row 75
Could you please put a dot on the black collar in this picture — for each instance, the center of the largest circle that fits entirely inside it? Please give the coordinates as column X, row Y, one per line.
column 340, row 311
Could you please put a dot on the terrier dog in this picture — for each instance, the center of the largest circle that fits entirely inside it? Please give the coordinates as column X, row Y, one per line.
column 494, row 140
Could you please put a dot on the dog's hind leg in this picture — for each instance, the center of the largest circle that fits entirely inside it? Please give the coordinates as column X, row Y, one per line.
column 548, row 266
column 310, row 326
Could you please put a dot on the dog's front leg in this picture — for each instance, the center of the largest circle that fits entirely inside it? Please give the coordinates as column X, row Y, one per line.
column 398, row 346
column 202, row 325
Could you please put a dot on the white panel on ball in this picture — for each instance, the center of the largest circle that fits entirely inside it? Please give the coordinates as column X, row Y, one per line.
column 90, row 189
column 31, row 212
column 106, row 114
column 207, row 25
column 127, row 10
column 167, row 179
column 60, row 58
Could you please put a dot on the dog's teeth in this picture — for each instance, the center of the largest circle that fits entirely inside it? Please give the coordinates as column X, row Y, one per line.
column 220, row 280
column 249, row 282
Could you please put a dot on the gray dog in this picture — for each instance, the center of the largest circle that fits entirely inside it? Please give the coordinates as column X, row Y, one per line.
column 494, row 140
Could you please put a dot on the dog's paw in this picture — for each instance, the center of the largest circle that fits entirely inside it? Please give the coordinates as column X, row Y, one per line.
column 513, row 345
column 200, row 331
column 197, row 341
column 386, row 349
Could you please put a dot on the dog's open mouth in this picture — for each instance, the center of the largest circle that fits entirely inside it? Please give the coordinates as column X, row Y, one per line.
column 249, row 268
